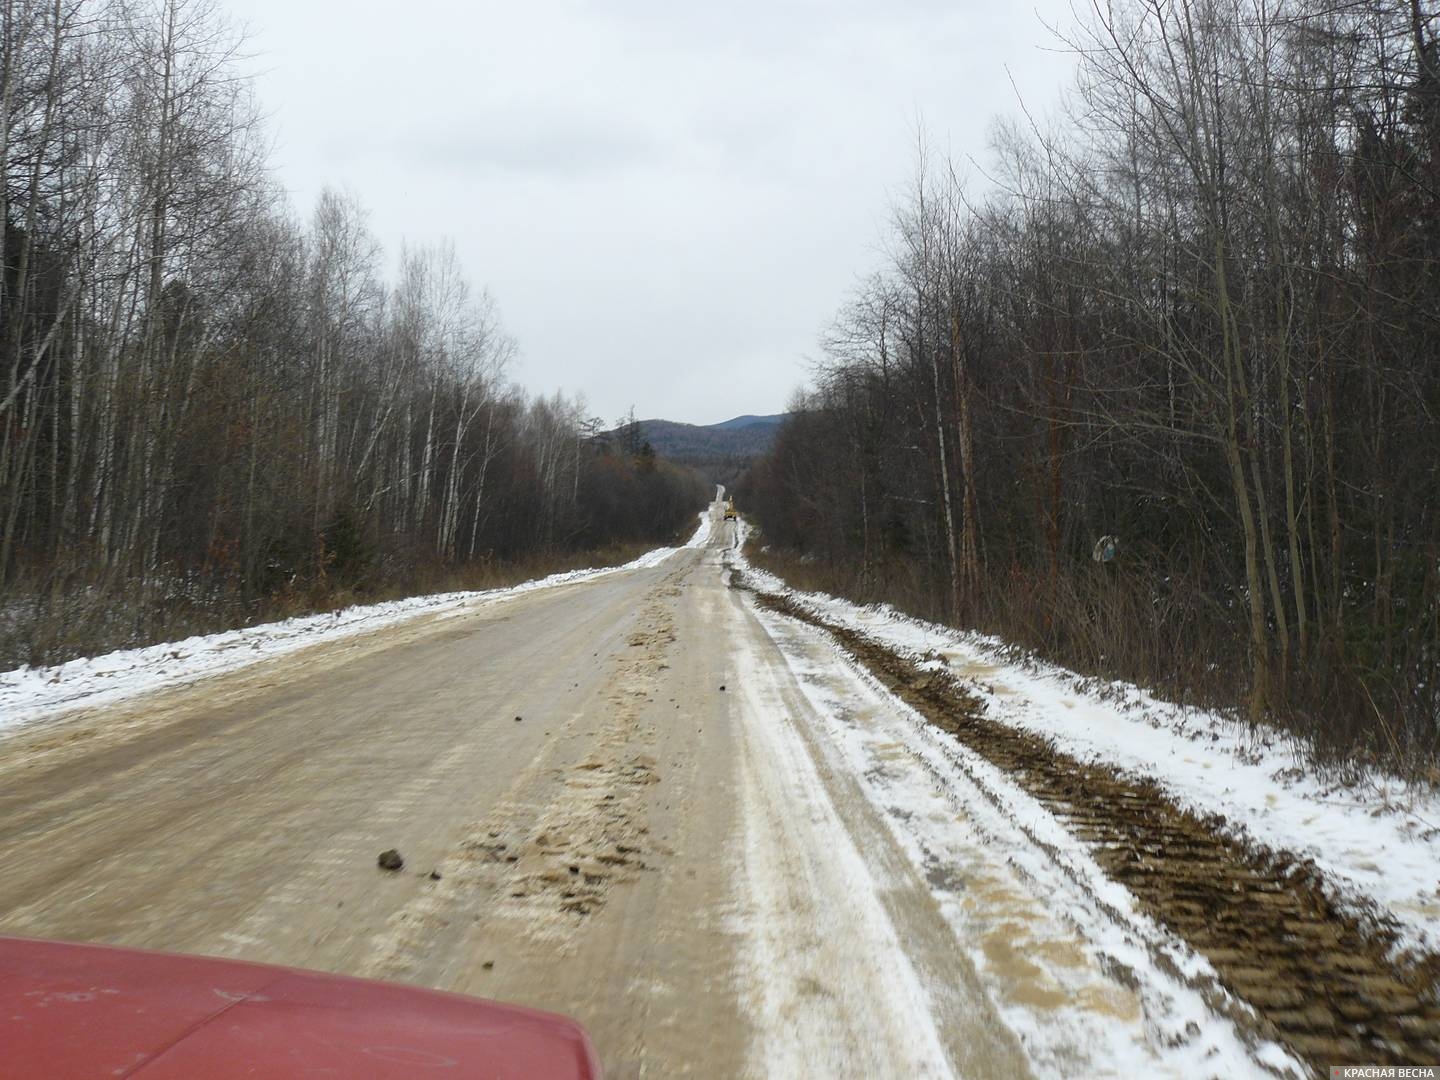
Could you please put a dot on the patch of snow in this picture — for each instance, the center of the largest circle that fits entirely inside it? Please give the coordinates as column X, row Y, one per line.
column 701, row 536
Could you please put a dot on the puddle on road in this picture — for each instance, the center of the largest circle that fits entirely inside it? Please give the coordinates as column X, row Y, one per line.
column 1121, row 1004
column 1021, row 963
column 993, row 897
column 1066, row 954
column 1032, row 967
column 1024, row 982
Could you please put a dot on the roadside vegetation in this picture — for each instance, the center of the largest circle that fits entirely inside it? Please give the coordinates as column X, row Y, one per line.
column 213, row 411
column 1164, row 404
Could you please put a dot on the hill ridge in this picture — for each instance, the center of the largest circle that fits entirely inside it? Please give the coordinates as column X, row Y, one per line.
column 720, row 452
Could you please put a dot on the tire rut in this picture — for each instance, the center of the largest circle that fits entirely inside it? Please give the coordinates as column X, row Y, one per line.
column 1323, row 980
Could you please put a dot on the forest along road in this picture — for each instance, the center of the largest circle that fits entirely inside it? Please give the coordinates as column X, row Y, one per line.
column 617, row 799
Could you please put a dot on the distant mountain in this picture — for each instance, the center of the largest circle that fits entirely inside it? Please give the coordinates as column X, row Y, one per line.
column 744, row 436
column 720, row 452
column 750, row 421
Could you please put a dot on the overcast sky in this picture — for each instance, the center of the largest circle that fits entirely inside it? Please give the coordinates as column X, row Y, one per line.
column 669, row 201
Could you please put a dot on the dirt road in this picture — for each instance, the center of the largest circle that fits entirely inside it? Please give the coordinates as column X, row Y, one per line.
column 620, row 799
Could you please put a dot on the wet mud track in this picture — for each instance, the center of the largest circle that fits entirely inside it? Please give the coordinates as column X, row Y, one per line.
column 1323, row 980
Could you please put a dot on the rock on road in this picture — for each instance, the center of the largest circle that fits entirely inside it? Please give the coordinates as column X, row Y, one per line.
column 613, row 801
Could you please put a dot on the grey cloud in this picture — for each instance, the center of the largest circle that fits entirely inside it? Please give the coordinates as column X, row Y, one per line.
column 700, row 182
column 527, row 142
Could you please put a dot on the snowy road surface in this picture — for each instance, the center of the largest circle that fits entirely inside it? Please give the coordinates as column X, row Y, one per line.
column 633, row 798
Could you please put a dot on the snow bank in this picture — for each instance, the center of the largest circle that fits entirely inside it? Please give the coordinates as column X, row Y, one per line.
column 28, row 694
column 1377, row 843
column 701, row 536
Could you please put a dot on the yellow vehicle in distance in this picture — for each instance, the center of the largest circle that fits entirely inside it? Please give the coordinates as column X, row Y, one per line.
column 730, row 508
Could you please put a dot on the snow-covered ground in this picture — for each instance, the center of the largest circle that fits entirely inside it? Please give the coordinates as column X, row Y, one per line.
column 1087, row 983
column 28, row 694
column 1377, row 843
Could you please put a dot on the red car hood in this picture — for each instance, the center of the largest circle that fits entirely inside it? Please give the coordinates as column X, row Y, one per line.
column 90, row 1011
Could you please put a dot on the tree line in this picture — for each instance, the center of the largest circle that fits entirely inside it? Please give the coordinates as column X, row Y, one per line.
column 1194, row 324
column 204, row 398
